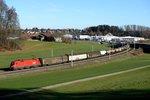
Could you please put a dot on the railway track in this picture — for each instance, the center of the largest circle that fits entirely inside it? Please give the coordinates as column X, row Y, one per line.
column 64, row 65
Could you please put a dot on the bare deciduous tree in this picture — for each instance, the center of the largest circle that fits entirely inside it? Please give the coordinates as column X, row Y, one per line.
column 9, row 26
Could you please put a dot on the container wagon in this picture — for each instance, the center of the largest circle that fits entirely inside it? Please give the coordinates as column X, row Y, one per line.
column 103, row 52
column 93, row 54
column 53, row 60
column 77, row 57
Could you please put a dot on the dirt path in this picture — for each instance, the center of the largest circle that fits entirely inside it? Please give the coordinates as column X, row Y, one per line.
column 73, row 82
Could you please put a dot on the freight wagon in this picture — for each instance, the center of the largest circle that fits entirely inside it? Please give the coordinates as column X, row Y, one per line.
column 53, row 60
column 93, row 54
column 77, row 57
column 103, row 52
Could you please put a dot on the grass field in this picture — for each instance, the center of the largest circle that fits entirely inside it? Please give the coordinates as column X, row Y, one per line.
column 23, row 83
column 133, row 85
column 32, row 49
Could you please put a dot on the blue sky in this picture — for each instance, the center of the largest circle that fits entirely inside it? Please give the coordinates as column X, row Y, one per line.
column 80, row 13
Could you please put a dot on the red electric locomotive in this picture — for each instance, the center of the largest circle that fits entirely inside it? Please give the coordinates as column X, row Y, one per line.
column 22, row 64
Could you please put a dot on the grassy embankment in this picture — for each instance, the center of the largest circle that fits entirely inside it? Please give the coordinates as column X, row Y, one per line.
column 133, row 85
column 23, row 83
column 32, row 49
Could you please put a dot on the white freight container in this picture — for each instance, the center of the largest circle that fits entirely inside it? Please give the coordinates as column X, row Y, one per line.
column 108, row 51
column 77, row 57
column 117, row 50
column 103, row 52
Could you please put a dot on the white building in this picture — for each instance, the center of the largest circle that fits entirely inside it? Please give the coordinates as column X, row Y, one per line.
column 109, row 37
column 68, row 36
column 58, row 39
column 85, row 37
column 131, row 39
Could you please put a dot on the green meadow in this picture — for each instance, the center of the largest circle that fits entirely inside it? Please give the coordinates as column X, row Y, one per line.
column 35, row 49
column 132, row 85
column 37, row 80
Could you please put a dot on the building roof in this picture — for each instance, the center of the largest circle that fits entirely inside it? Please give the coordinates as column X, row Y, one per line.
column 109, row 34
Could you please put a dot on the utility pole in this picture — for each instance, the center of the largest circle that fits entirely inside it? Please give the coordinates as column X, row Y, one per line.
column 127, row 49
column 52, row 52
column 109, row 53
column 71, row 58
column 134, row 44
column 92, row 48
column 109, row 56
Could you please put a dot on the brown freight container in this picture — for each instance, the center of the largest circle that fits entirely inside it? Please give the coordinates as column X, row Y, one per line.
column 94, row 54
column 55, row 60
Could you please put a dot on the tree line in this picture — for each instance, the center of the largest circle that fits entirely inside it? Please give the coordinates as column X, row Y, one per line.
column 126, row 30
column 9, row 27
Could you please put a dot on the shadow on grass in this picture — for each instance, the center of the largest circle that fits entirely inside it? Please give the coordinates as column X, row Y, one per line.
column 132, row 94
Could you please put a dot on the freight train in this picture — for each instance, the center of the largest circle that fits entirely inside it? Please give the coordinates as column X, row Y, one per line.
column 47, row 61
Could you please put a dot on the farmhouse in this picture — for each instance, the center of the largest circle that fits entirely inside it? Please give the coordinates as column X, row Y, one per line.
column 42, row 37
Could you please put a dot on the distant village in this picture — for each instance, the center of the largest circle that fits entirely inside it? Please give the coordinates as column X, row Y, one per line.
column 58, row 35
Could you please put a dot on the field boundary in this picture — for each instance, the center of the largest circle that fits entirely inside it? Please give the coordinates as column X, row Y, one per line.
column 73, row 82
